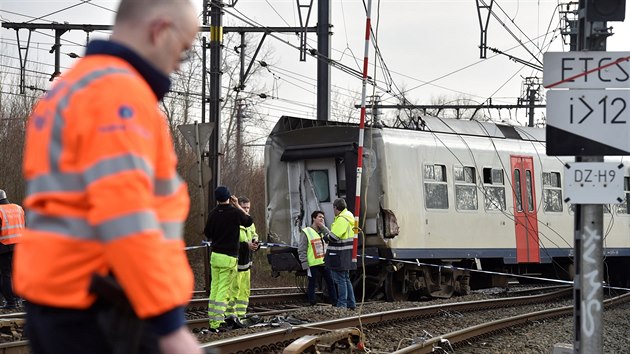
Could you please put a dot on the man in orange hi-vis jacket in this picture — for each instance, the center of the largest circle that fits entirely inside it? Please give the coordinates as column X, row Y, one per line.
column 11, row 229
column 103, row 196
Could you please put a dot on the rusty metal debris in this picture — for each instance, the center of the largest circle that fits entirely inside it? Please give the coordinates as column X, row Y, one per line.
column 345, row 338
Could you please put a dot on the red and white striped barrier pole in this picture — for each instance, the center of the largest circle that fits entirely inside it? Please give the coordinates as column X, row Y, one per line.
column 357, row 201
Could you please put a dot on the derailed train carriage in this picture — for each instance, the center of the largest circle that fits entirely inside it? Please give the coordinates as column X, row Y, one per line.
column 471, row 194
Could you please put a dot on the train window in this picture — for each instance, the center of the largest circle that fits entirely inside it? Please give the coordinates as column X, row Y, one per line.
column 435, row 189
column 464, row 174
column 435, row 173
column 493, row 175
column 465, row 188
column 624, row 208
column 494, row 189
column 552, row 191
column 320, row 184
column 341, row 177
column 530, row 192
column 518, row 194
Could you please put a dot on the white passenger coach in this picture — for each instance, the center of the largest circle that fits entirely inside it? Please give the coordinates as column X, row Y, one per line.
column 475, row 195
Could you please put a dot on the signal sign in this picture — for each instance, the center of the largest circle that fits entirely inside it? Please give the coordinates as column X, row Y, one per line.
column 593, row 183
column 586, row 70
column 598, row 116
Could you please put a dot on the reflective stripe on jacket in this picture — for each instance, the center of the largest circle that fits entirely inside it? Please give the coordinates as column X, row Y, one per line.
column 247, row 234
column 103, row 194
column 316, row 250
column 12, row 228
column 339, row 254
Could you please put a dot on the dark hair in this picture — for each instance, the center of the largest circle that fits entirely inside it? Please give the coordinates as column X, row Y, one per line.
column 315, row 213
column 340, row 204
column 242, row 200
column 221, row 194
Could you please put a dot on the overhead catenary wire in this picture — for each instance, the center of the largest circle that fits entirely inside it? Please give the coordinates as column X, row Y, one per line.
column 385, row 70
column 382, row 79
column 333, row 63
column 457, row 70
column 513, row 35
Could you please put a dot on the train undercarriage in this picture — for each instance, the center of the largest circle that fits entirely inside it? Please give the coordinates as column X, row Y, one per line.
column 394, row 281
column 414, row 280
column 400, row 281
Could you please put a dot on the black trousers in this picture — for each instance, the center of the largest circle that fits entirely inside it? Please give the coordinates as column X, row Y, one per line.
column 96, row 330
column 6, row 267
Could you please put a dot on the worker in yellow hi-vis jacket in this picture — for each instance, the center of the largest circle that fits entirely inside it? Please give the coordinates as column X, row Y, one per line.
column 240, row 290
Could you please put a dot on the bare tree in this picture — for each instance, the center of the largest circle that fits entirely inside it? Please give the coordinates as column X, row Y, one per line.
column 457, row 113
column 14, row 111
column 342, row 106
column 238, row 120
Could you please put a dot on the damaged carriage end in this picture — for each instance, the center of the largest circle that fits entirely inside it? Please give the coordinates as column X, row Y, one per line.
column 389, row 224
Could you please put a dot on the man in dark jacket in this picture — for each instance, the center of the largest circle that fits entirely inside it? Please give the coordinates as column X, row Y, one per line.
column 223, row 229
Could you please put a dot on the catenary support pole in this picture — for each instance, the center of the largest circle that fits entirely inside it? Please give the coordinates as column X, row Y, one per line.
column 323, row 59
column 216, row 52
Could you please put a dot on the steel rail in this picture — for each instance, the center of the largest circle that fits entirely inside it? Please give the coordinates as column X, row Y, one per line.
column 254, row 300
column 253, row 290
column 277, row 339
column 466, row 334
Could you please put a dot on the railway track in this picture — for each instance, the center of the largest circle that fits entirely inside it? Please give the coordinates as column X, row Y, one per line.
column 464, row 336
column 255, row 291
column 284, row 300
column 255, row 301
column 276, row 340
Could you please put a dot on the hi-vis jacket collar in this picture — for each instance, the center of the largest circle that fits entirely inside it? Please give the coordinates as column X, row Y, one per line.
column 159, row 83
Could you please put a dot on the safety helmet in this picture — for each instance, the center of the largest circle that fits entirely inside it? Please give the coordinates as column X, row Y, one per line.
column 3, row 195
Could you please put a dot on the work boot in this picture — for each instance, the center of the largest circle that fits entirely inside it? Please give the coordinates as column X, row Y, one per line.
column 234, row 322
column 9, row 306
column 251, row 321
column 223, row 327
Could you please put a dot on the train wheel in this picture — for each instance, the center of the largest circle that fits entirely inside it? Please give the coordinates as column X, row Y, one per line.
column 395, row 290
column 445, row 292
column 373, row 286
column 463, row 285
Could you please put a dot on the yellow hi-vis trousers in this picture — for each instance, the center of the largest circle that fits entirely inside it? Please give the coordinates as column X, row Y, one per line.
column 223, row 275
column 239, row 295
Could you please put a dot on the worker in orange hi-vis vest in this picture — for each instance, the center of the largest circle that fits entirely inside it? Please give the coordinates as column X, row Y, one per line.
column 105, row 205
column 11, row 228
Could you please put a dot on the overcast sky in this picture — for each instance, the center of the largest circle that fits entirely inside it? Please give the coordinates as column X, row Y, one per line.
column 429, row 46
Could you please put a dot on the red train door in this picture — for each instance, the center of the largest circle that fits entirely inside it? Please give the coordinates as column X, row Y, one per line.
column 525, row 217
